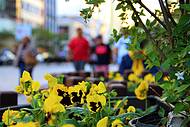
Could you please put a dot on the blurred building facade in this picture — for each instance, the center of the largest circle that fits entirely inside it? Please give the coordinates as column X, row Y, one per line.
column 38, row 13
column 50, row 15
column 31, row 12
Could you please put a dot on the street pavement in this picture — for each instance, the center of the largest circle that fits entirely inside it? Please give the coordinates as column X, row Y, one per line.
column 9, row 75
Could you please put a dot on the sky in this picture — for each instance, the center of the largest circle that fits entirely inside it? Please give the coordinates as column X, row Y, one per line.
column 71, row 8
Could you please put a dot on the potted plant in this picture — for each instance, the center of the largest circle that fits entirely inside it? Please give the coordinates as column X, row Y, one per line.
column 169, row 49
column 82, row 105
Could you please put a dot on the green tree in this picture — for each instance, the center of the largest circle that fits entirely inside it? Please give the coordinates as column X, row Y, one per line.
column 169, row 34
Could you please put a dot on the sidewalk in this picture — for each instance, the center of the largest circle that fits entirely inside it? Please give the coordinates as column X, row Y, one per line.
column 9, row 75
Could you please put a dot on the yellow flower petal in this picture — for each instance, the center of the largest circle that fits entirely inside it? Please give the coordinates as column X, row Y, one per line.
column 95, row 102
column 131, row 109
column 68, row 125
column 137, row 67
column 117, row 123
column 141, row 90
column 149, row 78
column 52, row 81
column 29, row 124
column 26, row 76
column 52, row 104
column 103, row 122
column 35, row 86
column 8, row 115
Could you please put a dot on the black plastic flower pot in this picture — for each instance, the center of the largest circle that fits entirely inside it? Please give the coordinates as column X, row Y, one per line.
column 153, row 119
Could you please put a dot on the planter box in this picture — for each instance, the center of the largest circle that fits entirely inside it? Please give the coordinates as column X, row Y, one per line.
column 8, row 98
column 153, row 119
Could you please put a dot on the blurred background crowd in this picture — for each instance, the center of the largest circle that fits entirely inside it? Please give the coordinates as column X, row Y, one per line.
column 50, row 36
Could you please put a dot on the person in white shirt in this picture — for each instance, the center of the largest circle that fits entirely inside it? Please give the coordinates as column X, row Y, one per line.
column 121, row 47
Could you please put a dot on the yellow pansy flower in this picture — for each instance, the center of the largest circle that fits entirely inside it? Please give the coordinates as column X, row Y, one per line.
column 51, row 120
column 103, row 122
column 52, row 104
column 149, row 78
column 9, row 116
column 68, row 125
column 141, row 90
column 29, row 124
column 117, row 123
column 166, row 78
column 95, row 102
column 100, row 88
column 25, row 77
column 27, row 85
column 134, row 78
column 77, row 92
column 19, row 89
column 63, row 92
column 110, row 75
column 52, row 81
column 118, row 77
column 121, row 110
column 138, row 66
column 45, row 94
column 131, row 109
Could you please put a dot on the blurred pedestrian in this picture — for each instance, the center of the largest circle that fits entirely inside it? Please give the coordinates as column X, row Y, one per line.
column 25, row 56
column 136, row 65
column 79, row 50
column 103, row 53
column 121, row 47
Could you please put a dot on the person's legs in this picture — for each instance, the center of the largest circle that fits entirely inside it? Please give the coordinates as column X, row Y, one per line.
column 79, row 65
column 21, row 68
column 82, row 65
column 76, row 65
column 30, row 71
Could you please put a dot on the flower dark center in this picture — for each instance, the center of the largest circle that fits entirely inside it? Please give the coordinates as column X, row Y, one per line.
column 95, row 106
column 66, row 98
column 76, row 98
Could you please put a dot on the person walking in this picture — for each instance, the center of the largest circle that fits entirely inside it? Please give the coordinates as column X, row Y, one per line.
column 79, row 50
column 121, row 47
column 25, row 56
column 103, row 53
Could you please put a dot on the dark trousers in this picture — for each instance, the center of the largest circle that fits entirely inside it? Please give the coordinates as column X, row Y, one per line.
column 22, row 68
column 79, row 65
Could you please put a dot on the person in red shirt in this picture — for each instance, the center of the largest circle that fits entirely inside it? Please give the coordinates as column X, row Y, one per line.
column 79, row 50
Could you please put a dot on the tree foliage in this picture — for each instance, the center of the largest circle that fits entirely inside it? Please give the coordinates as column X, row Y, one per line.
column 169, row 34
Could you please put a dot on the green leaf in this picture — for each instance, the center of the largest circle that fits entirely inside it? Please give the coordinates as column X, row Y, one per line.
column 60, row 79
column 185, row 7
column 148, row 22
column 161, row 112
column 71, row 121
column 179, row 107
column 166, row 64
column 187, row 98
column 158, row 75
column 183, row 25
column 95, row 2
column 122, row 14
column 182, row 88
column 119, row 6
column 166, row 85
